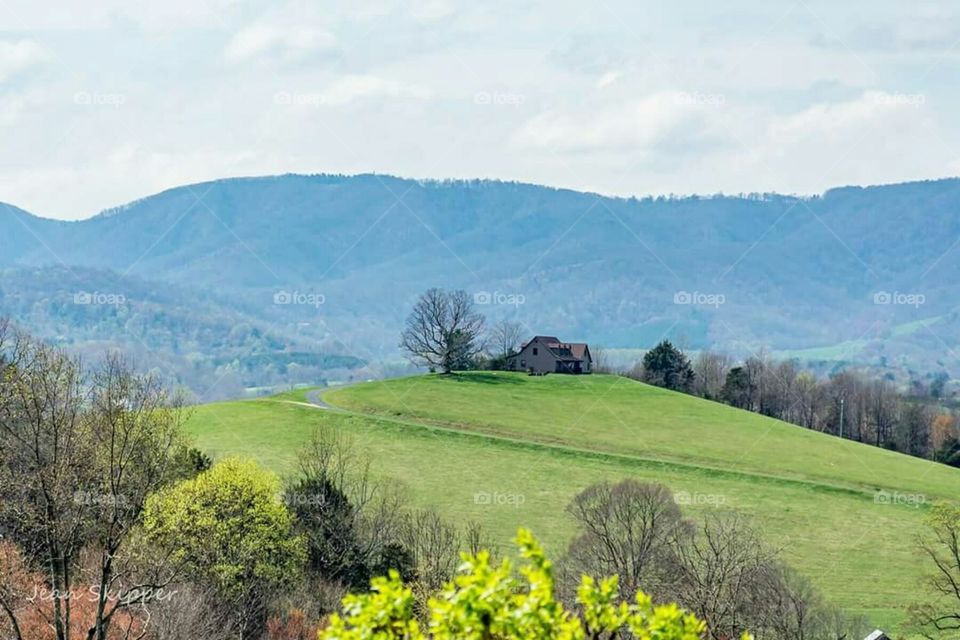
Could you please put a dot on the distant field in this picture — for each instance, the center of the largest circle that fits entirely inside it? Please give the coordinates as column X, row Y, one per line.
column 851, row 350
column 534, row 442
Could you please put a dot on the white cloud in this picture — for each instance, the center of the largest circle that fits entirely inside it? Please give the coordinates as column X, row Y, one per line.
column 286, row 43
column 636, row 126
column 431, row 10
column 365, row 87
column 878, row 137
column 52, row 15
column 125, row 173
column 649, row 147
column 608, row 79
column 15, row 56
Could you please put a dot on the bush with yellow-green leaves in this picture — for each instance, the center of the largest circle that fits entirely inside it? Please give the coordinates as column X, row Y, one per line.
column 487, row 601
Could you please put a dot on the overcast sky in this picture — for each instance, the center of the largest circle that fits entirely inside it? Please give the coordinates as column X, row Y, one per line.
column 106, row 101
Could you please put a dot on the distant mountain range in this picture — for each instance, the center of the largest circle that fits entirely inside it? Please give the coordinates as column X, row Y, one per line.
column 315, row 274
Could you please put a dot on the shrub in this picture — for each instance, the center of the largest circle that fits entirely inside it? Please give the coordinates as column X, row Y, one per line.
column 485, row 601
column 231, row 530
column 292, row 626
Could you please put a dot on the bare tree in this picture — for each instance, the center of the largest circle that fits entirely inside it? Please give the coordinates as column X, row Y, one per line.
column 810, row 402
column 783, row 395
column 848, row 406
column 15, row 589
column 189, row 612
column 710, row 373
column 44, row 455
column 135, row 426
column 719, row 565
column 475, row 538
column 349, row 517
column 505, row 338
column 79, row 453
column 443, row 331
column 914, row 428
column 624, row 528
column 882, row 405
column 939, row 615
column 601, row 360
column 434, row 545
column 785, row 606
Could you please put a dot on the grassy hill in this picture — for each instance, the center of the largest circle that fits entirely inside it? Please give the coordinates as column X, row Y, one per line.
column 843, row 513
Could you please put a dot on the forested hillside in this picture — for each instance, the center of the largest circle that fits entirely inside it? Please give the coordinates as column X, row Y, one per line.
column 856, row 275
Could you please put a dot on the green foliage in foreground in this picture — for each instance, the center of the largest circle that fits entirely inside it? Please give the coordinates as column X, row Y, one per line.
column 487, row 601
column 229, row 526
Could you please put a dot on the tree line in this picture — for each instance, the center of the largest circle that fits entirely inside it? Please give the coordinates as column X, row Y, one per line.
column 848, row 404
column 113, row 527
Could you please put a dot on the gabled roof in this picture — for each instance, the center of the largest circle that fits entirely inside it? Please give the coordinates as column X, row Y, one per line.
column 547, row 339
column 579, row 349
column 566, row 351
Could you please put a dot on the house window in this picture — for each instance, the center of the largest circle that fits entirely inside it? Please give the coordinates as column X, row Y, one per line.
column 534, row 351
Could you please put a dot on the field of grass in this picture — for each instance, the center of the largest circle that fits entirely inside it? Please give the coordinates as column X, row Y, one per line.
column 844, row 514
column 850, row 350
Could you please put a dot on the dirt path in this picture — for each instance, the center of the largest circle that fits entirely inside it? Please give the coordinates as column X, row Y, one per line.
column 314, row 399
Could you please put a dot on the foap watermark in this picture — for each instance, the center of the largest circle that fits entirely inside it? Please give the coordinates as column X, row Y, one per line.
column 695, row 499
column 499, row 98
column 899, row 298
column 92, row 498
column 99, row 298
column 497, row 499
column 699, row 298
column 915, row 100
column 299, row 499
column 895, row 497
column 98, row 99
column 297, row 99
column 699, row 99
column 299, row 298
column 509, row 299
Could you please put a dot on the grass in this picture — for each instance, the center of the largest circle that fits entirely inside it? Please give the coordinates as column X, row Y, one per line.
column 533, row 443
column 850, row 350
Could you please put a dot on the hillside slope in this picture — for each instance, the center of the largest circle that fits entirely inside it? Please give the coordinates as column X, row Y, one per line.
column 617, row 415
column 837, row 509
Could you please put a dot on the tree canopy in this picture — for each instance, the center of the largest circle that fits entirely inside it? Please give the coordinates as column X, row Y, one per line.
column 229, row 527
column 443, row 331
column 666, row 366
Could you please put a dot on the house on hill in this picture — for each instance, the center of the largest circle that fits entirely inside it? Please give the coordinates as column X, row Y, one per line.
column 547, row 354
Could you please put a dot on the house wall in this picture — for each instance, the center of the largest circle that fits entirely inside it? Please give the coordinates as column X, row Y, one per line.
column 543, row 362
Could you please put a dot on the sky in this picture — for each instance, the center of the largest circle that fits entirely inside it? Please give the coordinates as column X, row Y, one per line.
column 107, row 101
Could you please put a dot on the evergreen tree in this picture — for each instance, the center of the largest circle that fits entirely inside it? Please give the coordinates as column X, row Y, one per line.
column 666, row 366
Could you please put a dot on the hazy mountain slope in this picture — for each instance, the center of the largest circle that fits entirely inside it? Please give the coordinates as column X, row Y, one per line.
column 194, row 340
column 23, row 235
column 790, row 273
